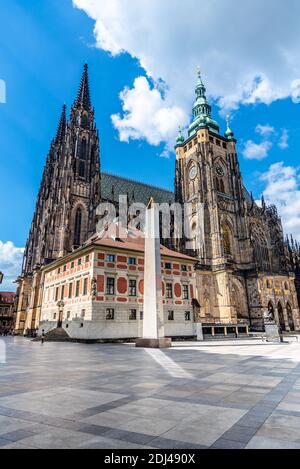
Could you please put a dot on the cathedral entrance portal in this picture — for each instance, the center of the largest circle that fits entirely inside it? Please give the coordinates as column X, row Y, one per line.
column 239, row 300
column 281, row 317
column 290, row 317
column 60, row 305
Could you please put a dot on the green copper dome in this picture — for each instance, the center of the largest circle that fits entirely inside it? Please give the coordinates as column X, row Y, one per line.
column 180, row 138
column 229, row 133
column 202, row 111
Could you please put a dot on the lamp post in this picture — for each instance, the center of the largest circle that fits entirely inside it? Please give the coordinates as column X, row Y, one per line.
column 1, row 277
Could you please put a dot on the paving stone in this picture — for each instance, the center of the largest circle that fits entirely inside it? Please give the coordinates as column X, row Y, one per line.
column 227, row 444
column 17, row 435
column 242, row 393
column 240, row 434
column 164, row 443
column 271, row 443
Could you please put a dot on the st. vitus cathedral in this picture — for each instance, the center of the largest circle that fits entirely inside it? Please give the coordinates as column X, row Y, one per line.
column 243, row 265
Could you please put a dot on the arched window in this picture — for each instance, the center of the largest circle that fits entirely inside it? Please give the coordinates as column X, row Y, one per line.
column 260, row 248
column 222, row 186
column 227, row 240
column 194, row 236
column 77, row 228
column 217, row 184
column 85, row 120
column 81, row 169
column 83, row 149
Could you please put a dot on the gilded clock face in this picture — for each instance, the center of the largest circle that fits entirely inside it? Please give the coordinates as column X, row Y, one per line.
column 193, row 172
column 219, row 170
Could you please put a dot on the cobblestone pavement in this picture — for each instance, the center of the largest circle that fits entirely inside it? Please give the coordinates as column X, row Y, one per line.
column 233, row 394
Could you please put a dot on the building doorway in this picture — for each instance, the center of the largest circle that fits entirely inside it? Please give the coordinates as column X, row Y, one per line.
column 290, row 317
column 281, row 317
column 60, row 305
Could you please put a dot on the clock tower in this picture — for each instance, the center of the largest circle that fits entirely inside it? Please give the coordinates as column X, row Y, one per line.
column 208, row 181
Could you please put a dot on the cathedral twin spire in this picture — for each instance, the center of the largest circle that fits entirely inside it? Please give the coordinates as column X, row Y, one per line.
column 83, row 99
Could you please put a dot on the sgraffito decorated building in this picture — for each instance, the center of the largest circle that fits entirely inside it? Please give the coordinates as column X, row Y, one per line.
column 240, row 266
column 7, row 313
column 96, row 292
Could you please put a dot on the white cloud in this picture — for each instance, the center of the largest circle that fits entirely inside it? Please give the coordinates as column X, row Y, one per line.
column 256, row 151
column 10, row 264
column 284, row 140
column 242, row 56
column 147, row 115
column 282, row 189
column 296, row 91
column 264, row 130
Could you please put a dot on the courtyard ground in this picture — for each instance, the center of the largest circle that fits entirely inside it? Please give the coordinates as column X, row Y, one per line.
column 233, row 394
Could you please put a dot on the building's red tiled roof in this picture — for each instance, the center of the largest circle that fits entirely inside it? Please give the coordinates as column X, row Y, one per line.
column 7, row 297
column 138, row 244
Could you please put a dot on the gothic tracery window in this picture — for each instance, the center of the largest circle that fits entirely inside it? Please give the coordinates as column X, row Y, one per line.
column 85, row 120
column 227, row 240
column 83, row 149
column 81, row 169
column 222, row 186
column 77, row 230
column 260, row 248
column 82, row 155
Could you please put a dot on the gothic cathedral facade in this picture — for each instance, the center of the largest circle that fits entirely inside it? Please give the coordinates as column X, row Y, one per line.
column 244, row 266
column 65, row 214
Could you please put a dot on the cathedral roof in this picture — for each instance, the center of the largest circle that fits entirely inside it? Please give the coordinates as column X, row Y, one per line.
column 112, row 186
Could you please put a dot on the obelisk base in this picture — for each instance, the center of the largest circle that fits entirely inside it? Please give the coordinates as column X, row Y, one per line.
column 154, row 343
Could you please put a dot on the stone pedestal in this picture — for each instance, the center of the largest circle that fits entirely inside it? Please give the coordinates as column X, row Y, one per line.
column 199, row 332
column 153, row 343
column 272, row 332
column 153, row 323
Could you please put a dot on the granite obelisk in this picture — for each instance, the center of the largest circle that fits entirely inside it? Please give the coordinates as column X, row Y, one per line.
column 153, row 325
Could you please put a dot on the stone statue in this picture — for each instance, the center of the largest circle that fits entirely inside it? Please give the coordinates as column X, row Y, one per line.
column 268, row 317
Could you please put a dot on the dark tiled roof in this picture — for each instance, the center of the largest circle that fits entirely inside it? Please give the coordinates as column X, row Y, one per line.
column 113, row 186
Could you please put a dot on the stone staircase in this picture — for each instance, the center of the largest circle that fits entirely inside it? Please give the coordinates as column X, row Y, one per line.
column 56, row 335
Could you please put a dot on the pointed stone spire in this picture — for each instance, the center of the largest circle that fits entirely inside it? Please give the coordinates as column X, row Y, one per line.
column 83, row 98
column 263, row 202
column 292, row 242
column 61, row 130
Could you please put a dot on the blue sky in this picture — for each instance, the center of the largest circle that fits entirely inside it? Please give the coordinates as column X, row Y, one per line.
column 43, row 46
